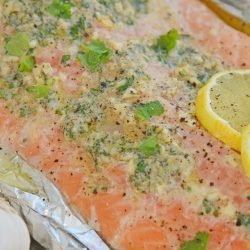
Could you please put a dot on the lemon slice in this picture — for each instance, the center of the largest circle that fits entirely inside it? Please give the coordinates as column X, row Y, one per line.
column 245, row 149
column 223, row 106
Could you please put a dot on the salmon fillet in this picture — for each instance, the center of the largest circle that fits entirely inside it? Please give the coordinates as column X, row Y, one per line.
column 194, row 184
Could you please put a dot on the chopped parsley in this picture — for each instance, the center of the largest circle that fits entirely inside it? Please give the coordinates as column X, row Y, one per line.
column 167, row 42
column 198, row 243
column 94, row 55
column 60, row 8
column 146, row 111
column 141, row 166
column 39, row 90
column 150, row 146
column 27, row 64
column 127, row 84
column 18, row 44
column 65, row 59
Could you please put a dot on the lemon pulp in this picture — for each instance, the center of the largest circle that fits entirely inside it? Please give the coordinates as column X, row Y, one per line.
column 230, row 99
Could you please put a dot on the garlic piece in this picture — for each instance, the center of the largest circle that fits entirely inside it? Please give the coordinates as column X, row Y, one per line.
column 14, row 234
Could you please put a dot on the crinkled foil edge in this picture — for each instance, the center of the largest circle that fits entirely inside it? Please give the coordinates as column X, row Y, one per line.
column 49, row 219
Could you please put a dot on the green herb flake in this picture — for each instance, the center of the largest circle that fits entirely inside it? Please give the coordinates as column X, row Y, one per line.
column 95, row 91
column 39, row 90
column 18, row 44
column 243, row 220
column 49, row 29
column 65, row 59
column 94, row 55
column 146, row 111
column 167, row 42
column 85, row 4
column 2, row 93
column 6, row 94
column 127, row 84
column 27, row 64
column 130, row 21
column 60, row 8
column 198, row 243
column 78, row 28
column 74, row 31
column 25, row 111
column 139, row 5
column 141, row 166
column 150, row 146
column 208, row 206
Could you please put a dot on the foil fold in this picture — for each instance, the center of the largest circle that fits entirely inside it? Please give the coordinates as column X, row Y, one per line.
column 49, row 219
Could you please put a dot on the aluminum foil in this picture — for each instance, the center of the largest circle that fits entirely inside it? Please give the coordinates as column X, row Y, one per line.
column 239, row 8
column 50, row 221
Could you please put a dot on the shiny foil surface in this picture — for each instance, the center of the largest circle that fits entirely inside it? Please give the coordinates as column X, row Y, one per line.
column 240, row 8
column 50, row 221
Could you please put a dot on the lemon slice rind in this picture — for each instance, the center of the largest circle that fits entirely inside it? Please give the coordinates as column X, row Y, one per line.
column 210, row 120
column 245, row 150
